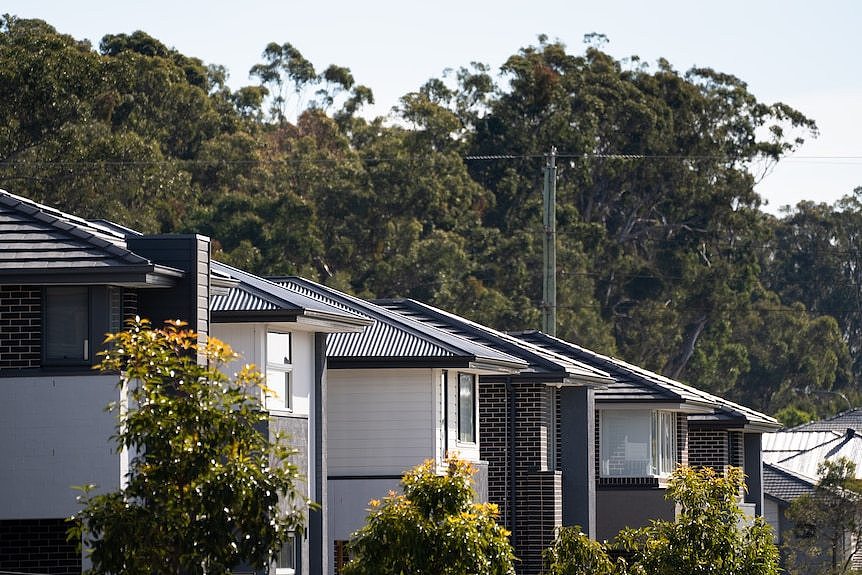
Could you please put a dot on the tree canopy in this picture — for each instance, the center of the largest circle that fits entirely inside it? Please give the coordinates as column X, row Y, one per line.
column 665, row 257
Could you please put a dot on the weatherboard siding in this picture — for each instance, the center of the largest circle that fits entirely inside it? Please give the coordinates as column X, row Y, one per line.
column 381, row 422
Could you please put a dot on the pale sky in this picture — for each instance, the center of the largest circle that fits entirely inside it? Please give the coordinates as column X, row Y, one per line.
column 804, row 53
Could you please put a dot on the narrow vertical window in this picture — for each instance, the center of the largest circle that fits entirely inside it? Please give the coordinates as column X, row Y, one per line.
column 287, row 557
column 66, row 320
column 278, row 371
column 466, row 407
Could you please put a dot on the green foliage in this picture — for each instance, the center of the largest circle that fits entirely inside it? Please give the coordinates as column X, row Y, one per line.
column 710, row 535
column 574, row 553
column 828, row 523
column 205, row 489
column 432, row 529
column 792, row 416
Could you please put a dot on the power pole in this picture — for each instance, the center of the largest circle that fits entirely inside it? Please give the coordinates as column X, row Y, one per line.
column 549, row 282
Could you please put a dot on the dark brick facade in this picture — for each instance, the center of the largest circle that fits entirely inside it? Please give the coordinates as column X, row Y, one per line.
column 530, row 450
column 38, row 546
column 20, row 327
column 708, row 448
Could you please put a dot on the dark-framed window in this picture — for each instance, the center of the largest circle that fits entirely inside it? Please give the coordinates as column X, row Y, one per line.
column 467, row 408
column 66, row 325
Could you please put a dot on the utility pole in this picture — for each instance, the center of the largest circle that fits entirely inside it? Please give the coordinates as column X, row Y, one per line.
column 549, row 280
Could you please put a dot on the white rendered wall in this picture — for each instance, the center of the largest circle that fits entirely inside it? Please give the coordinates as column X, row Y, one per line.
column 55, row 433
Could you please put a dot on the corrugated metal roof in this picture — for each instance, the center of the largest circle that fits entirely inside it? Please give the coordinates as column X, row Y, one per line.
column 805, row 462
column 253, row 294
column 392, row 335
column 791, row 442
column 542, row 363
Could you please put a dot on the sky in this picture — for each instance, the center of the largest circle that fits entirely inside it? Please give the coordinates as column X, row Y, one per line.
column 801, row 52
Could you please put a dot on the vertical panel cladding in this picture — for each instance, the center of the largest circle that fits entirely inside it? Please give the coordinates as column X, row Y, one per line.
column 708, row 448
column 38, row 546
column 20, row 327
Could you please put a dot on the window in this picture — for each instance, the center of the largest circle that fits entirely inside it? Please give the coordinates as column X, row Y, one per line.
column 278, row 370
column 66, row 318
column 467, row 408
column 637, row 443
column 285, row 563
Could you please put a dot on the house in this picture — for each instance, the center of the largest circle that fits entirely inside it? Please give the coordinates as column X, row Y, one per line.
column 400, row 392
column 646, row 425
column 64, row 282
column 792, row 458
column 538, row 432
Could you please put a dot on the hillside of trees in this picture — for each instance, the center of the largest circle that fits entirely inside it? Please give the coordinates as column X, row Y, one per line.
column 665, row 257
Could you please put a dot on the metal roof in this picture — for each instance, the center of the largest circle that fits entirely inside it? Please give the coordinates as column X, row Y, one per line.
column 850, row 419
column 814, row 448
column 543, row 365
column 254, row 298
column 392, row 337
column 41, row 244
column 785, row 484
column 634, row 384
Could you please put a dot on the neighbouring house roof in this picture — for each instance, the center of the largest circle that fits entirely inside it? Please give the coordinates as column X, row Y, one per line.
column 43, row 245
column 254, row 299
column 633, row 384
column 785, row 485
column 542, row 365
column 850, row 419
column 803, row 451
column 393, row 340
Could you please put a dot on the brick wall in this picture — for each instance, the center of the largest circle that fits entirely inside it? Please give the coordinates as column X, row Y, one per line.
column 37, row 546
column 20, row 327
column 708, row 448
column 537, row 490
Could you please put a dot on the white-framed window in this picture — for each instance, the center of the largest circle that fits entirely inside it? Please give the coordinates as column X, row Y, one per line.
column 466, row 408
column 637, row 443
column 286, row 561
column 278, row 371
column 66, row 320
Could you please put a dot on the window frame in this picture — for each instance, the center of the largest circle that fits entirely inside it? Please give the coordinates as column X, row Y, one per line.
column 463, row 436
column 284, row 401
column 46, row 314
column 292, row 544
column 661, row 456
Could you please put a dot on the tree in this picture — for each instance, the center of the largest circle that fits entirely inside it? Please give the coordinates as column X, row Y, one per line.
column 574, row 553
column 828, row 533
column 432, row 529
column 206, row 490
column 710, row 535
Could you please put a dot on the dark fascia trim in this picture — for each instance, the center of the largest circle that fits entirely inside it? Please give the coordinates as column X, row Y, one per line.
column 548, row 378
column 601, row 486
column 129, row 276
column 726, row 424
column 255, row 316
column 397, row 362
column 356, row 477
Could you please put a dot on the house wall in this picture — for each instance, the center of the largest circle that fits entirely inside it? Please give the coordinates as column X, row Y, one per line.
column 709, row 448
column 55, row 433
column 382, row 421
column 617, row 508
column 514, row 421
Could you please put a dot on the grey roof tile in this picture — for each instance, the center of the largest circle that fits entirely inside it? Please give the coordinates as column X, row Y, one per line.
column 784, row 484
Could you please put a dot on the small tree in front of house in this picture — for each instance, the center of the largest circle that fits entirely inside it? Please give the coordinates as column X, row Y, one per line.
column 206, row 490
column 433, row 528
column 710, row 536
column 827, row 537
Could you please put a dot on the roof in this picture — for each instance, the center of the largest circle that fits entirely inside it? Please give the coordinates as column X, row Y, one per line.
column 43, row 245
column 255, row 299
column 636, row 384
column 542, row 365
column 850, row 419
column 803, row 451
column 395, row 340
column 785, row 484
